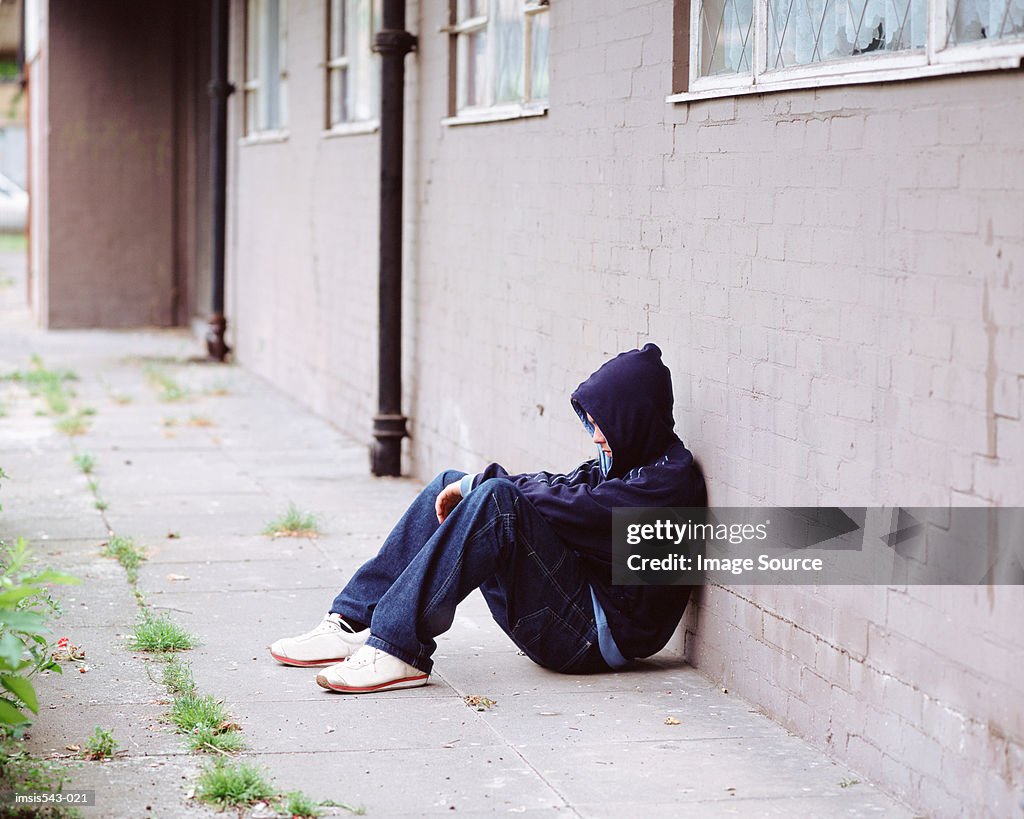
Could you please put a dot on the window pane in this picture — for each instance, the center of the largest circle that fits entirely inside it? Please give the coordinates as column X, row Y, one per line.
column 725, row 36
column 971, row 20
column 339, row 113
column 540, row 31
column 470, row 8
column 506, row 26
column 253, row 97
column 270, row 67
column 811, row 31
column 361, row 77
column 336, row 46
column 473, row 75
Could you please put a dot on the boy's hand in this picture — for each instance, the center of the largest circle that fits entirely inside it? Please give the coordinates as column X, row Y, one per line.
column 447, row 500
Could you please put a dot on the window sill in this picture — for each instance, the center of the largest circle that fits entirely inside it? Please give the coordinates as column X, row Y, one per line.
column 800, row 79
column 343, row 129
column 498, row 114
column 264, row 138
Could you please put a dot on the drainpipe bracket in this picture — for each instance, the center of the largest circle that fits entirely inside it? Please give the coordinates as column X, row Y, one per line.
column 220, row 89
column 394, row 41
column 389, row 425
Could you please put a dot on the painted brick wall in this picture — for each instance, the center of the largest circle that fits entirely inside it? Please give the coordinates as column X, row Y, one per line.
column 834, row 277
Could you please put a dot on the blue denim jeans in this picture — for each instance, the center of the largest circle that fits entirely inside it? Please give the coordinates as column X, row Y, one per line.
column 494, row 540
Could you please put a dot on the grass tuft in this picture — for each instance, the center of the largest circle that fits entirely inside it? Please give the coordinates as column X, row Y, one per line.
column 47, row 384
column 124, row 551
column 160, row 633
column 101, row 745
column 178, row 677
column 293, row 523
column 207, row 738
column 167, row 388
column 191, row 711
column 85, row 462
column 297, row 804
column 76, row 424
column 230, row 784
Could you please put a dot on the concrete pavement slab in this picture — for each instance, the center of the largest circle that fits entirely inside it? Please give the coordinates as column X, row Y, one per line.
column 416, row 782
column 240, row 575
column 868, row 805
column 229, row 549
column 138, row 729
column 145, row 787
column 665, row 771
column 114, row 675
column 336, row 722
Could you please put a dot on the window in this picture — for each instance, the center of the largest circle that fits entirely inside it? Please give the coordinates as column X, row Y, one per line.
column 740, row 46
column 500, row 56
column 353, row 70
column 266, row 72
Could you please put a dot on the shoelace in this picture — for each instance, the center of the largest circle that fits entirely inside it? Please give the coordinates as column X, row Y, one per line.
column 362, row 658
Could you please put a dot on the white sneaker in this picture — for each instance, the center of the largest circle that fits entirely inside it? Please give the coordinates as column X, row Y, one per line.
column 368, row 670
column 330, row 642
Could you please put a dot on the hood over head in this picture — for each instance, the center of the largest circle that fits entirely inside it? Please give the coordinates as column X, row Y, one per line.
column 630, row 399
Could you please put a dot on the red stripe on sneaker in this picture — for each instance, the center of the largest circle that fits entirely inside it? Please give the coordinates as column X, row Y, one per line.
column 355, row 689
column 305, row 663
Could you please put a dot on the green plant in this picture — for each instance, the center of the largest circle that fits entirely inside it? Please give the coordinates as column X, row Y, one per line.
column 87, row 463
column 293, row 523
column 297, row 804
column 160, row 633
column 124, row 551
column 177, row 677
column 25, row 605
column 228, row 784
column 167, row 388
column 217, row 738
column 192, row 711
column 330, row 803
column 102, row 506
column 205, row 723
column 101, row 745
column 74, row 424
column 47, row 384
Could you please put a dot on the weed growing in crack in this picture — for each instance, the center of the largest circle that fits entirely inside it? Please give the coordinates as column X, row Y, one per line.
column 167, row 388
column 124, row 551
column 192, row 711
column 76, row 424
column 177, row 677
column 159, row 633
column 296, row 803
column 86, row 463
column 232, row 784
column 293, row 523
column 46, row 384
column 101, row 745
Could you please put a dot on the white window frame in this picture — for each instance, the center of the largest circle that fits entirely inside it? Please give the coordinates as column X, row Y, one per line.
column 256, row 84
column 334, row 64
column 497, row 112
column 933, row 60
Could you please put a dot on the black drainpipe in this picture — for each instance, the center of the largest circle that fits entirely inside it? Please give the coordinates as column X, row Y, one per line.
column 219, row 90
column 393, row 42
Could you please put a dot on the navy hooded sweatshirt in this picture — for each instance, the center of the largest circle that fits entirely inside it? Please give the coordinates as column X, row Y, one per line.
column 630, row 399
